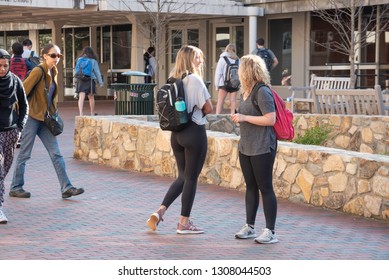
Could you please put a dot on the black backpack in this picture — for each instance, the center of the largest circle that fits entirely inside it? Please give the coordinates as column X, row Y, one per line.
column 169, row 117
column 147, row 64
column 264, row 53
column 231, row 77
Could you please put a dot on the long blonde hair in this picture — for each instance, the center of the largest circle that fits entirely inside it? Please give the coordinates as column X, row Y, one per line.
column 252, row 70
column 231, row 50
column 185, row 62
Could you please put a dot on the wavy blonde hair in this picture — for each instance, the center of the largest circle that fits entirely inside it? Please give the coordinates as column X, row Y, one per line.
column 231, row 49
column 252, row 70
column 185, row 62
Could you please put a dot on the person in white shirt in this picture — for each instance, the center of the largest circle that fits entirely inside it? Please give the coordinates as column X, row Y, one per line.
column 220, row 72
column 27, row 49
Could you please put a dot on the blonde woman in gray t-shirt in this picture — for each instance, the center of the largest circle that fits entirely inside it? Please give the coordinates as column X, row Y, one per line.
column 257, row 146
column 189, row 145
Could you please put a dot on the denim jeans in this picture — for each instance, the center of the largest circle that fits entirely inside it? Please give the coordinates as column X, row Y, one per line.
column 33, row 128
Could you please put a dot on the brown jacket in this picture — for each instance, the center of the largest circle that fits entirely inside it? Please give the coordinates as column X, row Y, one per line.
column 38, row 100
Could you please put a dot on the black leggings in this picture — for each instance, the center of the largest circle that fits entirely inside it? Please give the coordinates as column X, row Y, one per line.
column 258, row 174
column 189, row 148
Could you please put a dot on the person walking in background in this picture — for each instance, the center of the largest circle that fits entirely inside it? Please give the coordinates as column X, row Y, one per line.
column 13, row 117
column 27, row 49
column 18, row 63
column 150, row 65
column 87, row 62
column 257, row 146
column 220, row 76
column 189, row 145
column 267, row 55
column 44, row 79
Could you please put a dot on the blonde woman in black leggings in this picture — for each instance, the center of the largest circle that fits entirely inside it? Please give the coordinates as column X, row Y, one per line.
column 189, row 145
column 257, row 146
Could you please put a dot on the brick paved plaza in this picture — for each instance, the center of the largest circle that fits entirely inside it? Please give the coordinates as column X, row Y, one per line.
column 107, row 222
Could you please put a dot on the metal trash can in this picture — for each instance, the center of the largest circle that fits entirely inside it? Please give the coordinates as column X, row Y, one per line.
column 134, row 99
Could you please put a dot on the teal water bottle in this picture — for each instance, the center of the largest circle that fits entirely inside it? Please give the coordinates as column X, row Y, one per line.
column 180, row 104
column 181, row 110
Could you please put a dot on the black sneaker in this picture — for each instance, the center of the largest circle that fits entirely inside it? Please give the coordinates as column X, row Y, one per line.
column 72, row 192
column 19, row 193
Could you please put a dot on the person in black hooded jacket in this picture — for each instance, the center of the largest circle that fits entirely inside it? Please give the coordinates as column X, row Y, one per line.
column 13, row 117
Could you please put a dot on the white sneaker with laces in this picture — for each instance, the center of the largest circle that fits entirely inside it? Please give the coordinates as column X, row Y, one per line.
column 267, row 237
column 3, row 218
column 246, row 232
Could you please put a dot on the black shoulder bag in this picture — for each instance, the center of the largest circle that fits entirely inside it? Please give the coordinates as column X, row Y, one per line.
column 53, row 122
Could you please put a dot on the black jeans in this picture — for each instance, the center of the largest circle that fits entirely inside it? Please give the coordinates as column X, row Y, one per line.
column 258, row 174
column 189, row 148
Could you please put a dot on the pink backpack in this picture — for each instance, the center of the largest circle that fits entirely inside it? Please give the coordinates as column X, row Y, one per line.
column 284, row 118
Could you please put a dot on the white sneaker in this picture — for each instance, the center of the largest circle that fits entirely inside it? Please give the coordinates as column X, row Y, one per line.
column 267, row 237
column 246, row 232
column 3, row 218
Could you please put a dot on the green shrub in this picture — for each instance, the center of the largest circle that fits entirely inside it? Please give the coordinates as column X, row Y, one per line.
column 315, row 135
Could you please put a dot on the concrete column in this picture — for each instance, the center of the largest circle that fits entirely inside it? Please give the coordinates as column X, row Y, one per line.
column 252, row 33
column 253, row 13
column 140, row 42
column 56, row 31
column 33, row 35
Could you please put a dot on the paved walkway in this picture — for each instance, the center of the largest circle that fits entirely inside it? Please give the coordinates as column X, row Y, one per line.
column 108, row 220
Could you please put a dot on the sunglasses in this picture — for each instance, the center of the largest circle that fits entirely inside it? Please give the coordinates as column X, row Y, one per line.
column 5, row 56
column 55, row 55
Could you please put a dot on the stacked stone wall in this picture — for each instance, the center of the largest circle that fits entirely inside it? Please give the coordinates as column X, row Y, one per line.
column 348, row 181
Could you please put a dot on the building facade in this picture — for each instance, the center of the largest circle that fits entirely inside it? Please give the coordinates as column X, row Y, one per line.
column 121, row 30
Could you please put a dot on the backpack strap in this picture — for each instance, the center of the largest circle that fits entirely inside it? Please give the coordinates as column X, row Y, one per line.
column 252, row 96
column 34, row 87
column 227, row 60
column 32, row 53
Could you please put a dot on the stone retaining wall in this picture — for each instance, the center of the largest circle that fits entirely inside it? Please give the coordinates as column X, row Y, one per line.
column 347, row 181
column 366, row 134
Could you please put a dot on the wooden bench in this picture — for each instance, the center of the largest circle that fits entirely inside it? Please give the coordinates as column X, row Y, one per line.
column 349, row 101
column 304, row 94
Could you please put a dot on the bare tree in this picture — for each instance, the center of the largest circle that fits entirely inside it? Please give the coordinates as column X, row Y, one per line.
column 158, row 15
column 356, row 25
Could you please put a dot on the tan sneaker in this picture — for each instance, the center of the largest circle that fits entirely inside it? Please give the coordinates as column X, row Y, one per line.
column 154, row 220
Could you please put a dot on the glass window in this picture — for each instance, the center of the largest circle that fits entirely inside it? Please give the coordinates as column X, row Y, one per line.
column 14, row 36
column 239, row 35
column 2, row 42
column 280, row 43
column 193, row 37
column 68, row 45
column 81, row 40
column 176, row 44
column 222, row 40
column 45, row 38
column 106, row 44
column 121, row 46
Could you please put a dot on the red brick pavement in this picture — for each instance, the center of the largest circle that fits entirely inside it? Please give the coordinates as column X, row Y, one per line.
column 108, row 221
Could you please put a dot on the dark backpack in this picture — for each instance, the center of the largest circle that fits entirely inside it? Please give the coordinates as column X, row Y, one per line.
column 167, row 96
column 31, row 62
column 19, row 67
column 231, row 77
column 284, row 118
column 147, row 64
column 265, row 54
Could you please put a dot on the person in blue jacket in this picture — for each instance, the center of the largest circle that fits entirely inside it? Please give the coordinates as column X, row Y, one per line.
column 87, row 61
